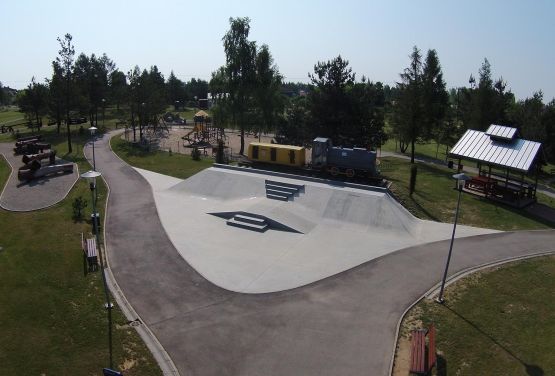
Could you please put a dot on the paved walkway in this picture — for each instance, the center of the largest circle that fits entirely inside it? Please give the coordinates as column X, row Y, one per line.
column 38, row 193
column 342, row 325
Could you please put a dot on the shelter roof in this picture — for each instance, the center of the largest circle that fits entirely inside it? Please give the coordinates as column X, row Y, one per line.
column 501, row 132
column 202, row 113
column 497, row 148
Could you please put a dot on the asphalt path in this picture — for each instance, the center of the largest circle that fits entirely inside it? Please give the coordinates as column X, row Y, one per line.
column 342, row 325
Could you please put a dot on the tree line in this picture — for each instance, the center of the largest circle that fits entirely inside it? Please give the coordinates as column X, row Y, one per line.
column 250, row 95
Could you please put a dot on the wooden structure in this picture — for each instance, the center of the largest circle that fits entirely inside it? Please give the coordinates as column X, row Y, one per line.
column 507, row 165
column 422, row 361
column 90, row 252
column 288, row 155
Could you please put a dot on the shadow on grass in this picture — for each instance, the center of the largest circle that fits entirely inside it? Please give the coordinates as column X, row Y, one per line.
column 531, row 369
column 441, row 366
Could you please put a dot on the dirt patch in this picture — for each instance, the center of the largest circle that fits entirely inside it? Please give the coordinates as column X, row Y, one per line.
column 173, row 140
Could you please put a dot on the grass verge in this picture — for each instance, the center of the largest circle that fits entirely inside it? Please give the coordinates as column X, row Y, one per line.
column 51, row 311
column 435, row 199
column 496, row 322
column 177, row 165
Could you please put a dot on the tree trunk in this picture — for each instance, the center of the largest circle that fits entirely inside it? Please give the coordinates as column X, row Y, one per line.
column 69, row 148
column 242, row 150
column 412, row 142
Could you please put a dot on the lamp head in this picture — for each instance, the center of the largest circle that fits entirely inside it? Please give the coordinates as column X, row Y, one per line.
column 461, row 179
column 91, row 176
column 93, row 130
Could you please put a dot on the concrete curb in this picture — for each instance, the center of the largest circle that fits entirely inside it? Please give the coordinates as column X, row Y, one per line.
column 335, row 183
column 160, row 354
column 452, row 279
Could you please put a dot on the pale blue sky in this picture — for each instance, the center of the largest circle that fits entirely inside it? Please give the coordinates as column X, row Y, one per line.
column 518, row 37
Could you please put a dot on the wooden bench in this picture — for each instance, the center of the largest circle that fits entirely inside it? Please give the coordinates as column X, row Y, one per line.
column 421, row 364
column 90, row 252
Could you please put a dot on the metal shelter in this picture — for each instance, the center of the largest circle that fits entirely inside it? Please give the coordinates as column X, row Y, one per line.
column 504, row 163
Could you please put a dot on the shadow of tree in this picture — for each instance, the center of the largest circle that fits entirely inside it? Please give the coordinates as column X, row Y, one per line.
column 531, row 369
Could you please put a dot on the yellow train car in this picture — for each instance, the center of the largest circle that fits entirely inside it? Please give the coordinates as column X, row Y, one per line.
column 286, row 155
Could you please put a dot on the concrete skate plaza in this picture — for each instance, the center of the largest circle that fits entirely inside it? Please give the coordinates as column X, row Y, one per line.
column 337, row 228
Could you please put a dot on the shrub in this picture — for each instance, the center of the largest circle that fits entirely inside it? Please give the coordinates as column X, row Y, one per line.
column 78, row 205
column 195, row 153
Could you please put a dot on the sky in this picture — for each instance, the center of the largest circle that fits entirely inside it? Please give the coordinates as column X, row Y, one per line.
column 376, row 37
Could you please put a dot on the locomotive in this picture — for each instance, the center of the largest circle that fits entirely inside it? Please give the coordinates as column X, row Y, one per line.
column 325, row 157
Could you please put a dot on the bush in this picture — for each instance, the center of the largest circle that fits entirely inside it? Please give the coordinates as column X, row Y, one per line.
column 195, row 153
column 78, row 205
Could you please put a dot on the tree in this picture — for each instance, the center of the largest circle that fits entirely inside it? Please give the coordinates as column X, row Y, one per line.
column 2, row 95
column 435, row 99
column 65, row 60
column 240, row 72
column 56, row 86
column 196, row 88
column 295, row 127
column 175, row 90
column 134, row 98
column 329, row 102
column 34, row 101
column 118, row 88
column 267, row 93
column 409, row 107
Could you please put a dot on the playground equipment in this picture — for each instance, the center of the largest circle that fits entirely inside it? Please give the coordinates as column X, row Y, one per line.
column 204, row 133
column 30, row 145
column 35, row 170
column 51, row 155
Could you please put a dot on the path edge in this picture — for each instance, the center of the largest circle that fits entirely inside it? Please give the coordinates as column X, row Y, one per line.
column 160, row 354
column 434, row 290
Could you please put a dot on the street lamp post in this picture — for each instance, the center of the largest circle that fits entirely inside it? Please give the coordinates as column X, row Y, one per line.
column 103, row 111
column 461, row 179
column 91, row 176
column 93, row 133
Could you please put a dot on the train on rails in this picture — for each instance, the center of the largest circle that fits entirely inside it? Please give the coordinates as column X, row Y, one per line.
column 350, row 162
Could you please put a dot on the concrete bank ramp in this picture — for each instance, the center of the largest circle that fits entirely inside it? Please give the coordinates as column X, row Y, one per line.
column 339, row 228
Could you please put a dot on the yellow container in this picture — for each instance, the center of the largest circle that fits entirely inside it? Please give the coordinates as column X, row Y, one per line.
column 287, row 155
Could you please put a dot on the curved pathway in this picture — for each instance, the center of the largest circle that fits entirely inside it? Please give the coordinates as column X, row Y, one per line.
column 342, row 325
column 36, row 194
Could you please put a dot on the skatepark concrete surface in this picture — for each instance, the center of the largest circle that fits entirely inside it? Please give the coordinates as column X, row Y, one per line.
column 337, row 228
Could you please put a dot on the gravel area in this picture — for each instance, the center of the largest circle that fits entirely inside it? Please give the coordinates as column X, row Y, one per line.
column 38, row 193
column 173, row 140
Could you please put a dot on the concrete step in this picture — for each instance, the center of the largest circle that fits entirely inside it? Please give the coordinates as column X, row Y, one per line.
column 248, row 226
column 282, row 188
column 277, row 197
column 249, row 219
column 274, row 182
column 279, row 192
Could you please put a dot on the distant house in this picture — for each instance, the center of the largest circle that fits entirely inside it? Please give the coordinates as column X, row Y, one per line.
column 504, row 161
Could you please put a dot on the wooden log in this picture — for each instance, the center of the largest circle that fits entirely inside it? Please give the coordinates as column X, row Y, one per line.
column 38, row 157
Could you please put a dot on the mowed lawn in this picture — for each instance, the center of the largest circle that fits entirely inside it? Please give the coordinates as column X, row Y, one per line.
column 435, row 199
column 495, row 322
column 52, row 317
column 10, row 115
column 177, row 165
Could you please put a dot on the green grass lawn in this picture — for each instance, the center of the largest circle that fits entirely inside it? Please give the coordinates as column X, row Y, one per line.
column 435, row 199
column 51, row 313
column 176, row 165
column 495, row 323
column 9, row 115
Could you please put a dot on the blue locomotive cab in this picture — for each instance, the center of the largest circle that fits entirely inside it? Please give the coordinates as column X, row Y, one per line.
column 343, row 161
column 320, row 147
